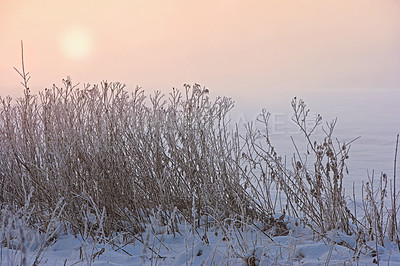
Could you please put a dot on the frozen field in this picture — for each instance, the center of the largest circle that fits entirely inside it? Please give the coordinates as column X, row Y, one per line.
column 249, row 246
column 372, row 115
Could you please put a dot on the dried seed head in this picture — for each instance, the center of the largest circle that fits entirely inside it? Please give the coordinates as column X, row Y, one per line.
column 329, row 153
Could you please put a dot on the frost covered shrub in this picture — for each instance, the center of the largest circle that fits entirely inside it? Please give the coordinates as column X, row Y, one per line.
column 312, row 183
column 102, row 147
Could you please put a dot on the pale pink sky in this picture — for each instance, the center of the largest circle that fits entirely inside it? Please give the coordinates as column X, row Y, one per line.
column 239, row 48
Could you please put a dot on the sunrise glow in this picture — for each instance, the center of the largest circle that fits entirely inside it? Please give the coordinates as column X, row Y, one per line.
column 76, row 43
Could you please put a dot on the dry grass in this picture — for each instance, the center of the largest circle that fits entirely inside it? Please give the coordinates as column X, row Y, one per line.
column 102, row 147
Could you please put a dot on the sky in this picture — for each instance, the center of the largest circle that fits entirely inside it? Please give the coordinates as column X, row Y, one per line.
column 245, row 49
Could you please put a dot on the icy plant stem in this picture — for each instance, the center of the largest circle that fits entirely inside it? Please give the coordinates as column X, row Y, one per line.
column 394, row 215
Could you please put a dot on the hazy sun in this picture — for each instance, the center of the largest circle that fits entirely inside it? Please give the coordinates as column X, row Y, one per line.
column 76, row 43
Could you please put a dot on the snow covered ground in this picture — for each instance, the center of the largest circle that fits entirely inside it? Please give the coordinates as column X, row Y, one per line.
column 286, row 243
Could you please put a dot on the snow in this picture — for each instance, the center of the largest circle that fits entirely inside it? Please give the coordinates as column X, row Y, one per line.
column 237, row 246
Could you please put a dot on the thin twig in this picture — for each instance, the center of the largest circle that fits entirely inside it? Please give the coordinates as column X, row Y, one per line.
column 394, row 215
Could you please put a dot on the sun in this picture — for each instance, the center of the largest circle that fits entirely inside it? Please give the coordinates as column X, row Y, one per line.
column 76, row 43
